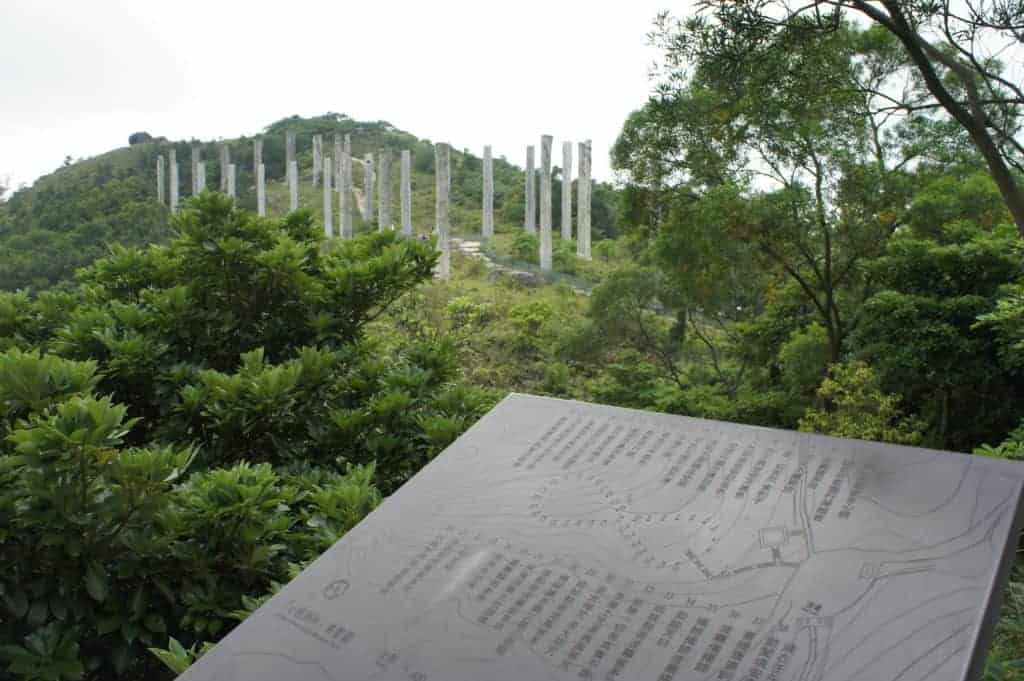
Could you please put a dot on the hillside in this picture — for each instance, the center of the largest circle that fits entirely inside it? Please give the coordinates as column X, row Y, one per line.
column 69, row 218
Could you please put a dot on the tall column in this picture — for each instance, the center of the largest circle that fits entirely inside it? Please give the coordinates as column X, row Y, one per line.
column 368, row 181
column 566, row 191
column 261, row 189
column 407, row 193
column 488, row 224
column 257, row 155
column 173, row 168
column 318, row 158
column 293, row 186
column 345, row 195
column 545, row 202
column 160, row 179
column 384, row 191
column 328, row 199
column 442, row 171
column 583, row 202
column 232, row 176
column 289, row 149
column 200, row 178
column 337, row 162
column 225, row 161
column 530, row 221
column 196, row 157
column 348, row 145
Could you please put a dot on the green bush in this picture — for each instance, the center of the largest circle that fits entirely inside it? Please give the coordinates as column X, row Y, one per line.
column 563, row 257
column 526, row 247
column 857, row 407
column 111, row 548
column 187, row 425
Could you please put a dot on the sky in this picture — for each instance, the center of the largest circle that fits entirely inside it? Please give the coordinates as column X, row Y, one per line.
column 80, row 77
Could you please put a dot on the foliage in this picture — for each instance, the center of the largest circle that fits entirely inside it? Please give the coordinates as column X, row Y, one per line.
column 71, row 217
column 778, row 169
column 526, row 247
column 188, row 423
column 856, row 407
column 1007, row 321
column 116, row 546
column 1005, row 662
column 1010, row 448
column 920, row 333
column 803, row 360
column 940, row 58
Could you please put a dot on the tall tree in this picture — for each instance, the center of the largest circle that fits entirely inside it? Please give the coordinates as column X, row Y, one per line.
column 949, row 49
column 789, row 152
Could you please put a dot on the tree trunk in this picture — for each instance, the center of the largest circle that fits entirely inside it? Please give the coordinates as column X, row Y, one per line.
column 922, row 53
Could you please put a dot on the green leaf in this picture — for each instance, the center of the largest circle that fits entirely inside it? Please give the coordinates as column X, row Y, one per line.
column 17, row 603
column 58, row 607
column 96, row 583
column 10, row 652
column 177, row 664
column 164, row 589
column 139, row 603
column 37, row 614
column 175, row 647
column 130, row 631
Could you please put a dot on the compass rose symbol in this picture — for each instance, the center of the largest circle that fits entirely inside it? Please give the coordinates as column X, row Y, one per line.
column 335, row 589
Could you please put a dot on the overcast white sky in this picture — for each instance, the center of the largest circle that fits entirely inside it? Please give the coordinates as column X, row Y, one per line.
column 79, row 77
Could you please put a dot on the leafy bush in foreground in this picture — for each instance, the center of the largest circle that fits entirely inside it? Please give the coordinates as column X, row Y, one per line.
column 189, row 424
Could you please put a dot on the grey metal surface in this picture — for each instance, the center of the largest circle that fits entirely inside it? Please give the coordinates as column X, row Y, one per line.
column 558, row 540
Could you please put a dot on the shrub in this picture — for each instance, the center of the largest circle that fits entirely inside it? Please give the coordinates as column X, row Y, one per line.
column 857, row 407
column 188, row 425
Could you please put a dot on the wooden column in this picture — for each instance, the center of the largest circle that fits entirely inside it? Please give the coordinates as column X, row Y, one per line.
column 545, row 202
column 406, row 191
column 384, row 190
column 566, row 191
column 487, row 230
column 442, row 171
column 530, row 220
column 261, row 190
column 293, row 186
column 345, row 195
column 583, row 202
column 160, row 179
column 328, row 199
column 173, row 172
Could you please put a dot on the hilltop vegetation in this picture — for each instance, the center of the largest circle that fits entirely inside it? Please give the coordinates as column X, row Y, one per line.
column 70, row 218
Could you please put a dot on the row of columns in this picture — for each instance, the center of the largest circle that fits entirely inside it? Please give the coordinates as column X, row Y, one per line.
column 227, row 178
column 583, row 197
column 336, row 172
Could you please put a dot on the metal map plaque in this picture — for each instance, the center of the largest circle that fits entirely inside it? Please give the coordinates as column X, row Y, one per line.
column 558, row 540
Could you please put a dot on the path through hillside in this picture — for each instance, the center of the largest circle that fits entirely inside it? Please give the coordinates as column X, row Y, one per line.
column 521, row 271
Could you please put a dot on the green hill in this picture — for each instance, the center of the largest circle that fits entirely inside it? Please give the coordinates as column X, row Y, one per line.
column 70, row 217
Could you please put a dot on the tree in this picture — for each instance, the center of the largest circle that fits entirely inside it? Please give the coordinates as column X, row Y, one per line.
column 786, row 154
column 950, row 49
column 857, row 407
column 920, row 333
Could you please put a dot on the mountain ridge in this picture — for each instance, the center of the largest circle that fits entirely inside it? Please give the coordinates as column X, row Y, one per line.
column 70, row 217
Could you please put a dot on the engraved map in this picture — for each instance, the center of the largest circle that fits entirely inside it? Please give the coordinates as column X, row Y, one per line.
column 559, row 540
